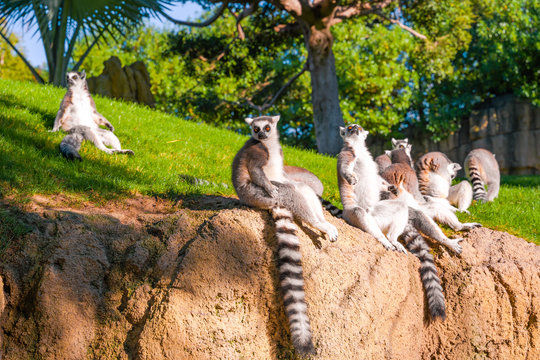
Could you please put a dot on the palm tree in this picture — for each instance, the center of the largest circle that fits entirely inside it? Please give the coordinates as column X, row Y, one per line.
column 61, row 23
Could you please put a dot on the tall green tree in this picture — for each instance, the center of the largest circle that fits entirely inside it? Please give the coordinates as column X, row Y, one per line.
column 61, row 23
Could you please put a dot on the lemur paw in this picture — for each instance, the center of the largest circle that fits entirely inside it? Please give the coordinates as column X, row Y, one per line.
column 273, row 192
column 470, row 226
column 387, row 245
column 351, row 179
column 454, row 245
column 332, row 233
column 399, row 247
column 110, row 127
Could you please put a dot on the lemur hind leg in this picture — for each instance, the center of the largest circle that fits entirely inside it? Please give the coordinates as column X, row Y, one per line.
column 361, row 219
column 392, row 218
column 425, row 225
column 302, row 201
column 109, row 139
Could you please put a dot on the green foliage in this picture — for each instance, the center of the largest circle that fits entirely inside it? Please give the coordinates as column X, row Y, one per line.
column 502, row 57
column 11, row 66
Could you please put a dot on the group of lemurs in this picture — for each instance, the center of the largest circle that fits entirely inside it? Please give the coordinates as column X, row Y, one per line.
column 387, row 198
column 390, row 197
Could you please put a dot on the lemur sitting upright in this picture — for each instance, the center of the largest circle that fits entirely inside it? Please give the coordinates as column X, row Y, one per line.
column 259, row 179
column 79, row 117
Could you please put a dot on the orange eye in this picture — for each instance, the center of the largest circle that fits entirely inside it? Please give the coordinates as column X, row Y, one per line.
column 267, row 128
column 401, row 147
column 256, row 129
column 349, row 128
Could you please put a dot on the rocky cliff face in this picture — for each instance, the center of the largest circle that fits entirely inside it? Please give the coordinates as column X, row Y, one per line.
column 146, row 279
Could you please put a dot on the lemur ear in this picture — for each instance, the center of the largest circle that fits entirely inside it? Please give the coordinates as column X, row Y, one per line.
column 406, row 140
column 457, row 166
column 364, row 133
column 83, row 74
column 275, row 119
column 342, row 131
column 388, row 153
column 394, row 141
column 248, row 120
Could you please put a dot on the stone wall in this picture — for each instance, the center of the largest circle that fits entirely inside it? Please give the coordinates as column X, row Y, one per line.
column 507, row 126
column 130, row 83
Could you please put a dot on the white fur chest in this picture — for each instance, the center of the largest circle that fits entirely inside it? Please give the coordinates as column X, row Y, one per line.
column 274, row 168
column 438, row 186
column 81, row 109
column 366, row 171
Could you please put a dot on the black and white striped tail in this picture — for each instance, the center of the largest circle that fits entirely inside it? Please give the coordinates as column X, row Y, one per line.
column 70, row 145
column 331, row 208
column 291, row 280
column 428, row 273
column 479, row 191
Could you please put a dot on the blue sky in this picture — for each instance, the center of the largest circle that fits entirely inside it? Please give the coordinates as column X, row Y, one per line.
column 31, row 45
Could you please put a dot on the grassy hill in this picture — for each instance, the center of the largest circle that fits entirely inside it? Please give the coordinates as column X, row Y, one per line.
column 167, row 148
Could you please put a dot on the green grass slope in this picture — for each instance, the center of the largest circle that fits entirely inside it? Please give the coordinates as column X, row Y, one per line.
column 165, row 149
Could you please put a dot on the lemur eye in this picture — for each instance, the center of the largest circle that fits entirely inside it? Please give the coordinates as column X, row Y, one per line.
column 75, row 77
column 401, row 147
column 267, row 128
column 256, row 129
column 349, row 127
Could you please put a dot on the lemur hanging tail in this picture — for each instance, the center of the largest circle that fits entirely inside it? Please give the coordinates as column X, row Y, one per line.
column 292, row 281
column 428, row 273
column 478, row 185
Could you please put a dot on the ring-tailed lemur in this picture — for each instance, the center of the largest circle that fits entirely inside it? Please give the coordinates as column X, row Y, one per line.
column 435, row 173
column 436, row 208
column 359, row 188
column 79, row 117
column 383, row 161
column 482, row 169
column 259, row 179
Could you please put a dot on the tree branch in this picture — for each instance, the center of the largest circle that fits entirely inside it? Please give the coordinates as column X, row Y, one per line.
column 38, row 78
column 267, row 104
column 79, row 63
column 358, row 9
column 403, row 26
column 207, row 22
column 247, row 11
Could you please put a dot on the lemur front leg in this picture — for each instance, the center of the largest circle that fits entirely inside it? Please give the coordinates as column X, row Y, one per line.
column 58, row 120
column 346, row 170
column 259, row 178
column 101, row 120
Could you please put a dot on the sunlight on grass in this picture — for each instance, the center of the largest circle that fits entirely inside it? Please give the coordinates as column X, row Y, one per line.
column 165, row 148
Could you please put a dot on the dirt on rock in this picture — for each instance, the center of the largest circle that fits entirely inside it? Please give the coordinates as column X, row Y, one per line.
column 151, row 279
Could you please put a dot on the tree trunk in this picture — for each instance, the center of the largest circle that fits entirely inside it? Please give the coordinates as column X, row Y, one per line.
column 327, row 114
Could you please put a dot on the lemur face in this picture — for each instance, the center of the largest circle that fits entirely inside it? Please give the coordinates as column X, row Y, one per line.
column 263, row 127
column 401, row 144
column 75, row 78
column 353, row 132
column 453, row 169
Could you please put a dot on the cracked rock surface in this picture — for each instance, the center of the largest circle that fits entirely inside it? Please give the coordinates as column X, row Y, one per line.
column 149, row 279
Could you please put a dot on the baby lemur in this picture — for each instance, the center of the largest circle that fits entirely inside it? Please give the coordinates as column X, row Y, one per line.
column 79, row 117
column 260, row 180
column 482, row 169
